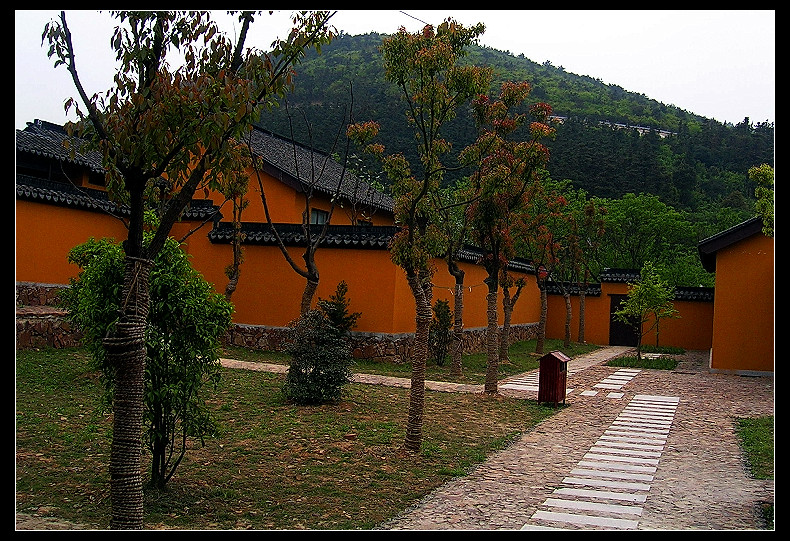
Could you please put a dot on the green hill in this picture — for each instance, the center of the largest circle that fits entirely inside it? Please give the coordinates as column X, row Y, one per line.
column 610, row 142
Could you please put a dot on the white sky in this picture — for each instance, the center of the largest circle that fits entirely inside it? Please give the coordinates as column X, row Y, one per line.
column 716, row 63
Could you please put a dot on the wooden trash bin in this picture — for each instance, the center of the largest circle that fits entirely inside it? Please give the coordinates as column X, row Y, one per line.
column 553, row 377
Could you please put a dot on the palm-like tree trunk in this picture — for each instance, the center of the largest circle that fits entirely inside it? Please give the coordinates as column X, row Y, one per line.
column 421, row 290
column 457, row 344
column 492, row 336
column 126, row 352
column 544, row 310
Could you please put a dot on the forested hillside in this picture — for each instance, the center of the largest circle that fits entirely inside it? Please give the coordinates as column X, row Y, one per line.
column 695, row 165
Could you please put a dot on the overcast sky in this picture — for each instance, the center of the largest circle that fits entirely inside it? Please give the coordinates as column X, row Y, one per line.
column 716, row 63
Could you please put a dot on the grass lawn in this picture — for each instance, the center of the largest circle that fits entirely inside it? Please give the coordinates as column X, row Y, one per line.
column 522, row 359
column 272, row 466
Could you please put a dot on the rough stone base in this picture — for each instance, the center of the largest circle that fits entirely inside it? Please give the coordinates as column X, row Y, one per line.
column 39, row 323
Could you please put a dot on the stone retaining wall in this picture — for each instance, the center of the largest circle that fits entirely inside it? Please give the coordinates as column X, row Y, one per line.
column 366, row 345
column 44, row 326
column 40, row 323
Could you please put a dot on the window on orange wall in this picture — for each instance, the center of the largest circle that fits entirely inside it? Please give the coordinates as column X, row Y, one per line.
column 318, row 216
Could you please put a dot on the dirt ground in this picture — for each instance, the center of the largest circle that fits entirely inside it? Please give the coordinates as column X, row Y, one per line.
column 31, row 522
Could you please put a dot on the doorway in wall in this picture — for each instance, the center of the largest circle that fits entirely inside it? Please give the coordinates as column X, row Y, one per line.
column 620, row 334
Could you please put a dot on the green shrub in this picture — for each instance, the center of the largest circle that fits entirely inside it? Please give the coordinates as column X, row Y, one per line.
column 320, row 361
column 439, row 332
column 336, row 309
column 185, row 323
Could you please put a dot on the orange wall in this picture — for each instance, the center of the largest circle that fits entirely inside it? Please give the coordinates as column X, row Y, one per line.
column 596, row 315
column 743, row 323
column 269, row 290
column 46, row 233
column 693, row 330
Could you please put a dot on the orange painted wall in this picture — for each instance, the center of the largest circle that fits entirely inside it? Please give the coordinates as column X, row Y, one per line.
column 596, row 319
column 269, row 290
column 743, row 324
column 475, row 304
column 694, row 329
column 46, row 233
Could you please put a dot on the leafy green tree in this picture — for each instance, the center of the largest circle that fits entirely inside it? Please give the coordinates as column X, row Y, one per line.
column 641, row 228
column 185, row 324
column 763, row 175
column 649, row 299
column 182, row 127
column 504, row 169
column 424, row 66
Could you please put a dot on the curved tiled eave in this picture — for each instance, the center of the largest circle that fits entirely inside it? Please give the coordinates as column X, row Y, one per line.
column 65, row 195
column 338, row 236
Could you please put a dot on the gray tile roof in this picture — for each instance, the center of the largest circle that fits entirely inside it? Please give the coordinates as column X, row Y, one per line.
column 301, row 167
column 703, row 294
column 620, row 275
column 66, row 195
column 593, row 289
column 58, row 193
column 292, row 164
column 707, row 248
column 47, row 140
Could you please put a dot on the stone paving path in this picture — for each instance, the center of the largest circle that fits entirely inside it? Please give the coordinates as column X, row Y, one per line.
column 648, row 450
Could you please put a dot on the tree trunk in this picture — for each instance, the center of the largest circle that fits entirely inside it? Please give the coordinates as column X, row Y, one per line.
column 457, row 340
column 126, row 352
column 544, row 310
column 421, row 290
column 568, row 317
column 504, row 335
column 492, row 336
column 307, row 296
column 582, row 296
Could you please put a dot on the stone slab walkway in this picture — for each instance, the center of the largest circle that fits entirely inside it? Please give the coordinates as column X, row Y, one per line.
column 682, row 467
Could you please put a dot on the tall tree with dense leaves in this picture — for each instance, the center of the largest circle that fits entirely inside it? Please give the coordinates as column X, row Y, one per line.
column 536, row 230
column 425, row 68
column 504, row 170
column 763, row 175
column 181, row 127
column 590, row 230
column 649, row 299
column 642, row 228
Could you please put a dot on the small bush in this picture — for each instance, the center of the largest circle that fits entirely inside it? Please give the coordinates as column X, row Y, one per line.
column 336, row 309
column 439, row 332
column 320, row 361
